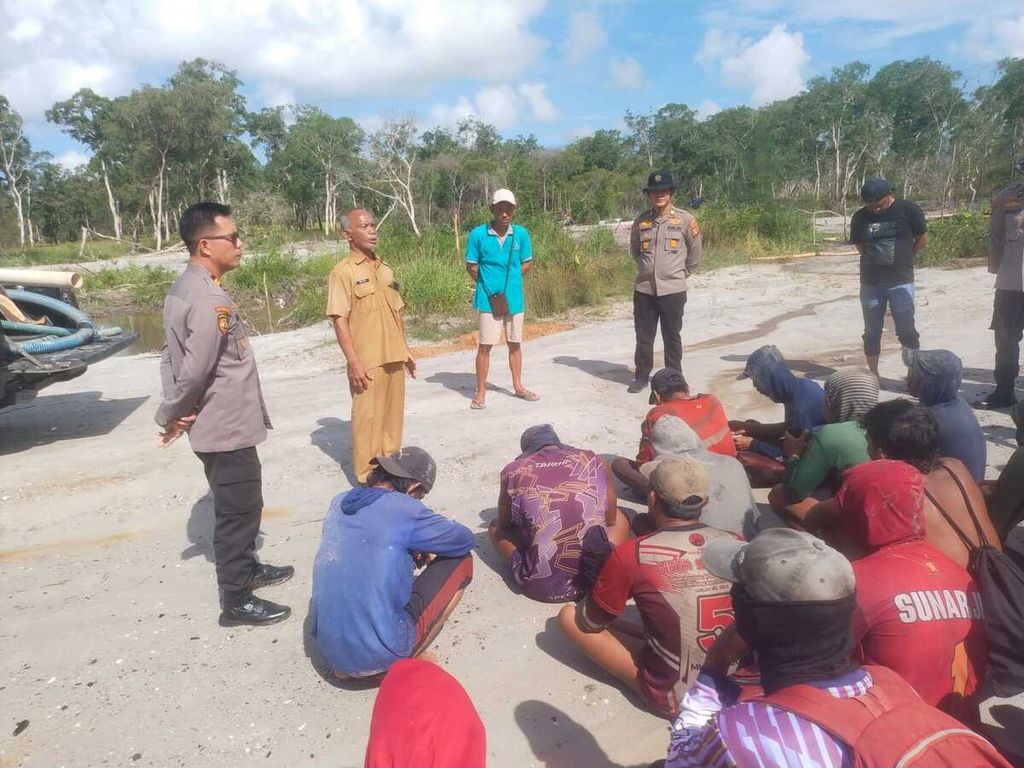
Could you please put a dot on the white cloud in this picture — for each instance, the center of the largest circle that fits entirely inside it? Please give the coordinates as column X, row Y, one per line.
column 536, row 95
column 993, row 38
column 626, row 73
column 586, row 35
column 708, row 108
column 309, row 50
column 771, row 68
column 502, row 106
column 72, row 159
column 987, row 31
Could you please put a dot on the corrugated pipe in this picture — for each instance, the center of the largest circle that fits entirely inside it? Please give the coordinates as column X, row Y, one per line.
column 83, row 335
column 37, row 330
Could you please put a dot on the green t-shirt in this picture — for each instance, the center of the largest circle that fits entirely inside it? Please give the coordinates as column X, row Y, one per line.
column 833, row 449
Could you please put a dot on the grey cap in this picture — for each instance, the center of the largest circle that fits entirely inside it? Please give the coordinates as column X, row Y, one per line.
column 782, row 565
column 411, row 462
column 678, row 479
column 874, row 190
column 667, row 382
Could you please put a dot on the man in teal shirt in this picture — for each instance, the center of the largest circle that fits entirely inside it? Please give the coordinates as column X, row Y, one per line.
column 498, row 254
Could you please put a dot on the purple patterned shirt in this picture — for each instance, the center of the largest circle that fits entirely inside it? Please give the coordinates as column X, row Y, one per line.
column 712, row 731
column 557, row 495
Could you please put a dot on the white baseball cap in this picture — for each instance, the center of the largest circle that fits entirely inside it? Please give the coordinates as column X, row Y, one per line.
column 503, row 196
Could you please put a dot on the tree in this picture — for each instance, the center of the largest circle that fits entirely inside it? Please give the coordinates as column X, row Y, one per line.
column 15, row 163
column 641, row 128
column 83, row 118
column 838, row 109
column 318, row 156
column 393, row 156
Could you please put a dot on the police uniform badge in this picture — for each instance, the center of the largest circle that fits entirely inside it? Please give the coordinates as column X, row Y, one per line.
column 223, row 315
column 694, row 228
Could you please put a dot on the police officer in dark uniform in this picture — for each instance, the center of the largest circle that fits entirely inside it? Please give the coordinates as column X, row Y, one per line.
column 1006, row 262
column 211, row 391
column 666, row 245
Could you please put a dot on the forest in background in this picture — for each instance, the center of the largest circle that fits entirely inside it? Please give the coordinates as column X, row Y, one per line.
column 158, row 149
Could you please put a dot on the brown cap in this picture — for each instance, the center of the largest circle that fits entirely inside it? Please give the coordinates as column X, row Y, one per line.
column 679, row 479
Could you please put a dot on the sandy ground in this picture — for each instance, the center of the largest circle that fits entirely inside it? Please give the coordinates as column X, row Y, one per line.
column 109, row 643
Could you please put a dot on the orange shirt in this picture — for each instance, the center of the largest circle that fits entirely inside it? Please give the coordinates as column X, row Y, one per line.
column 704, row 414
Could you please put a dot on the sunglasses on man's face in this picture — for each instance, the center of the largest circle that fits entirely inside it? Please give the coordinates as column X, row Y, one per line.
column 234, row 237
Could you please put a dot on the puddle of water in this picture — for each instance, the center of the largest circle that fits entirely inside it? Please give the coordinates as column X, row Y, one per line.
column 149, row 325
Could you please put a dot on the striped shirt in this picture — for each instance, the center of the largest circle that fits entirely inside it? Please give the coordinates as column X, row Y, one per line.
column 713, row 731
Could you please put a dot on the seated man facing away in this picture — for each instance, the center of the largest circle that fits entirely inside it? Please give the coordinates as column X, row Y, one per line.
column 900, row 430
column 815, row 462
column 424, row 717
column 670, row 396
column 759, row 446
column 934, row 379
column 681, row 605
column 731, row 506
column 557, row 513
column 367, row 609
column 794, row 597
column 918, row 613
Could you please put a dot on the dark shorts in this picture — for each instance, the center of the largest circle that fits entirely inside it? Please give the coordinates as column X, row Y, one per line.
column 434, row 589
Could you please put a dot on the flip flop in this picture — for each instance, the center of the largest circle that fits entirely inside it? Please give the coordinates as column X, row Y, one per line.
column 528, row 396
column 476, row 405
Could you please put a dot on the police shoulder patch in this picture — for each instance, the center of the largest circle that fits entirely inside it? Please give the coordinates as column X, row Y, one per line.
column 223, row 316
column 694, row 228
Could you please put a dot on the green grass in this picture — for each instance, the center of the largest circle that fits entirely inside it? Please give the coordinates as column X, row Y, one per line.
column 963, row 236
column 146, row 286
column 63, row 253
column 567, row 273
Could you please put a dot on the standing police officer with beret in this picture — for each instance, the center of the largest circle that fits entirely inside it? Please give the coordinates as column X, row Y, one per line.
column 1006, row 262
column 666, row 245
column 211, row 390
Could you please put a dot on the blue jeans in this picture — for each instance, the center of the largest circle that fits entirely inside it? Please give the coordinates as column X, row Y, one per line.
column 900, row 301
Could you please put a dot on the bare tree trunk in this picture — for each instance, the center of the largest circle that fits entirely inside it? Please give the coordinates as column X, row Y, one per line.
column 158, row 215
column 327, row 203
column 114, row 213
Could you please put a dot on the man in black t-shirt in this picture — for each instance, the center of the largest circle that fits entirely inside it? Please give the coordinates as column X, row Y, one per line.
column 888, row 233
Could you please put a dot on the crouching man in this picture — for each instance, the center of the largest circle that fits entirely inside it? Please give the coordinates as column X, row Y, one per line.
column 369, row 609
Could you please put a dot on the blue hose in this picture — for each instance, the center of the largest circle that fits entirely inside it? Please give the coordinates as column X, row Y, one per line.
column 30, row 328
column 83, row 335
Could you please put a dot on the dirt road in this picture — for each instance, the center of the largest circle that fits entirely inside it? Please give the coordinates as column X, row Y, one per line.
column 111, row 652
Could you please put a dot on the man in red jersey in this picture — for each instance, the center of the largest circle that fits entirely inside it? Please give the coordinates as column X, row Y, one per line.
column 918, row 612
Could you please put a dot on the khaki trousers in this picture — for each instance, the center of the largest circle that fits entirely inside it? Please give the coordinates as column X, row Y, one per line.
column 377, row 416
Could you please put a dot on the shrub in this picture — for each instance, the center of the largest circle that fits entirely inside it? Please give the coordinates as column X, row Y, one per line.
column 962, row 236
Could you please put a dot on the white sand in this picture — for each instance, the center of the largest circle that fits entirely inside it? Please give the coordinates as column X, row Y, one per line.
column 109, row 643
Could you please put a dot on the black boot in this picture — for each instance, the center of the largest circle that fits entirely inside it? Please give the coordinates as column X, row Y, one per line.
column 995, row 400
column 638, row 385
column 246, row 608
column 268, row 575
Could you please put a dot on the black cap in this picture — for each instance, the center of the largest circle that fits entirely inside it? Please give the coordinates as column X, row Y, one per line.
column 413, row 463
column 667, row 382
column 660, row 180
column 874, row 190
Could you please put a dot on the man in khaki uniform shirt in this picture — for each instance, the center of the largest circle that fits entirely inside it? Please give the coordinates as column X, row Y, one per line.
column 363, row 303
column 665, row 243
column 211, row 391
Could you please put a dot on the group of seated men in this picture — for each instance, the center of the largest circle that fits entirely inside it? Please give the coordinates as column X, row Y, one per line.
column 851, row 595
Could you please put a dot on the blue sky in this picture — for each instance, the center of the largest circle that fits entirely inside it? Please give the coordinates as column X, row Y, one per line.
column 555, row 69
